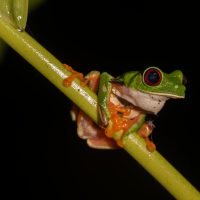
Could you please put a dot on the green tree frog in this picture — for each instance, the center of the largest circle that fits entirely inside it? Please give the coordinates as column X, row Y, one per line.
column 124, row 102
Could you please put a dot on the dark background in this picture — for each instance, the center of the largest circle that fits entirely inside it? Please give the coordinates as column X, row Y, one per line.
column 47, row 158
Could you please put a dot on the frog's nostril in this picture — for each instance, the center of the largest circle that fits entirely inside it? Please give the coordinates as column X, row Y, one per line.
column 184, row 81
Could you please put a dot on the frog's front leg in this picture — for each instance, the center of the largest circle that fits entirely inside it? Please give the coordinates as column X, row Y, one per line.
column 92, row 79
column 67, row 82
column 119, row 116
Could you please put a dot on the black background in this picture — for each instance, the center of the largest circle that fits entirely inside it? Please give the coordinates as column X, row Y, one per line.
column 47, row 158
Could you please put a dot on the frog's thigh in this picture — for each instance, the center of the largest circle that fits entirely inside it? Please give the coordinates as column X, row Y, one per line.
column 94, row 135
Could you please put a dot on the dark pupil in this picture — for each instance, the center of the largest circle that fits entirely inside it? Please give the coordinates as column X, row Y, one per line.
column 153, row 77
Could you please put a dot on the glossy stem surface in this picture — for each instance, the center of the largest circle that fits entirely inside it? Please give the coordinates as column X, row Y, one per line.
column 49, row 66
column 160, row 168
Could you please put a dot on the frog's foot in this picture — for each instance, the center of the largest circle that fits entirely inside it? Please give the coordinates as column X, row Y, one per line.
column 144, row 132
column 67, row 81
column 150, row 145
column 94, row 135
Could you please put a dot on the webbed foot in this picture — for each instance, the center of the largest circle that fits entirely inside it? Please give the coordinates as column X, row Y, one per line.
column 68, row 81
column 144, row 132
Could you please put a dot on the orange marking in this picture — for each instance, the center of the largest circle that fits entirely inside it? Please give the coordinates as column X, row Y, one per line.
column 145, row 130
column 124, row 111
column 120, row 143
column 118, row 122
column 150, row 145
column 68, row 81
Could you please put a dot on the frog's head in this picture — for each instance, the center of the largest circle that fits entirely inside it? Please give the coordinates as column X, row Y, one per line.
column 154, row 81
column 149, row 90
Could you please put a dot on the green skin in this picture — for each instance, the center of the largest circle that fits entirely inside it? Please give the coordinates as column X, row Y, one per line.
column 140, row 92
column 171, row 84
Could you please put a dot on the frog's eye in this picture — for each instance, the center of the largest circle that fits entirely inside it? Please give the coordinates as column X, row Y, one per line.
column 152, row 76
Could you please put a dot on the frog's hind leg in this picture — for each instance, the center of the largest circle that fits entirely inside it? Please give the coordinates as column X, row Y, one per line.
column 94, row 135
column 86, row 128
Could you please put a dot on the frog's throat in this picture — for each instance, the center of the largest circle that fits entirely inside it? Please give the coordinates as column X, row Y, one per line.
column 148, row 102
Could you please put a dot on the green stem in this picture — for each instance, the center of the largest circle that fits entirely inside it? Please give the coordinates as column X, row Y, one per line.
column 53, row 70
column 49, row 66
column 160, row 169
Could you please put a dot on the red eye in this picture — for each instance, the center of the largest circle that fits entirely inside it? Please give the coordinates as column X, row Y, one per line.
column 152, row 76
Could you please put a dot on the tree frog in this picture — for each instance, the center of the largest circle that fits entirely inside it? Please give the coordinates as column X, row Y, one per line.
column 124, row 102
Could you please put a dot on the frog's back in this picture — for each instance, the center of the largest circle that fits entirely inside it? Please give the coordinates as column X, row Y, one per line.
column 128, row 77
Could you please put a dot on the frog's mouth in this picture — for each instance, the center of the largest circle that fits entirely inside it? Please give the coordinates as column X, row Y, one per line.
column 151, row 103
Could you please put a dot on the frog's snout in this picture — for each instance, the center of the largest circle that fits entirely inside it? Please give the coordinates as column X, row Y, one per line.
column 178, row 77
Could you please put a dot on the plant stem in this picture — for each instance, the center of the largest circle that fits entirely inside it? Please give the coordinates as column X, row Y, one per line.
column 160, row 168
column 54, row 71
column 49, row 66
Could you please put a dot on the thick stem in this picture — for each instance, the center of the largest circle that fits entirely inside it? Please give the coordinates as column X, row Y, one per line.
column 160, row 168
column 53, row 70
column 49, row 66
